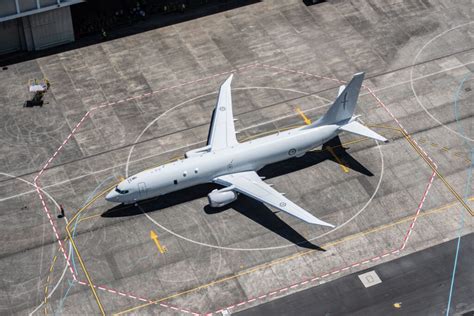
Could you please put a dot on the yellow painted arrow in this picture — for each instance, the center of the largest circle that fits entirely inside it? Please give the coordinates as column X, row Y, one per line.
column 154, row 237
column 305, row 118
column 341, row 164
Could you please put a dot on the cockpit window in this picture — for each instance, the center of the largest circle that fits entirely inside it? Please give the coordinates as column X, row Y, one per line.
column 120, row 191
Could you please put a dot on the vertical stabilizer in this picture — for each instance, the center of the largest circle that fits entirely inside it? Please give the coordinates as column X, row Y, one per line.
column 343, row 108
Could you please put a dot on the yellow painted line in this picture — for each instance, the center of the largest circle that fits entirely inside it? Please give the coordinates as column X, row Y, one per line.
column 91, row 285
column 52, row 265
column 281, row 260
column 270, row 263
column 445, row 148
column 306, row 120
column 341, row 164
column 434, row 144
column 88, row 217
column 345, row 144
column 440, row 176
column 407, row 137
column 51, row 268
column 88, row 204
column 431, row 165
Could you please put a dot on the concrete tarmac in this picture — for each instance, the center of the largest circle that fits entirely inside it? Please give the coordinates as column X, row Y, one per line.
column 146, row 99
column 417, row 284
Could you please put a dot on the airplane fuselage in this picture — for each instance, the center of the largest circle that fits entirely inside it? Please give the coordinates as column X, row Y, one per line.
column 206, row 166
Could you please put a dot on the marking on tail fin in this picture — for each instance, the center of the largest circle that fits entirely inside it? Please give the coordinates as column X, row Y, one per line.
column 344, row 101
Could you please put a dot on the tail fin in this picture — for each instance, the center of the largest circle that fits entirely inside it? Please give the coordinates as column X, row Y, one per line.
column 343, row 108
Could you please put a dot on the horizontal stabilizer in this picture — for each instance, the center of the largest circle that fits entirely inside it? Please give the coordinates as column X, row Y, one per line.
column 359, row 129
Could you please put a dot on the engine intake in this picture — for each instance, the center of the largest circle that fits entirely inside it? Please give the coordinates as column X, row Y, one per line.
column 219, row 198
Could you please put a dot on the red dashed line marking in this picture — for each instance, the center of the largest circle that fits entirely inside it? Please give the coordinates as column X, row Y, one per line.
column 50, row 160
column 405, row 240
column 55, row 231
column 358, row 263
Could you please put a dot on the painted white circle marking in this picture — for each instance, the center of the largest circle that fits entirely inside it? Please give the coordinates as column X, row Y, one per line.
column 209, row 226
column 412, row 81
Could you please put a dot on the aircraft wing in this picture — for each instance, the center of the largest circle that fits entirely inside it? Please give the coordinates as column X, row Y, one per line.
column 250, row 184
column 222, row 130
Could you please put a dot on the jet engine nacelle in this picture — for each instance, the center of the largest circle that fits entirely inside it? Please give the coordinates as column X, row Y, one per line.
column 219, row 198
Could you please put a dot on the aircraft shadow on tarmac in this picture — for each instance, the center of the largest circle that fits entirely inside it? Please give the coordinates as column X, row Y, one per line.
column 248, row 207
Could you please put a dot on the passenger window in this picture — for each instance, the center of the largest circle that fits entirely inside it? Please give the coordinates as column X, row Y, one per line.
column 175, row 181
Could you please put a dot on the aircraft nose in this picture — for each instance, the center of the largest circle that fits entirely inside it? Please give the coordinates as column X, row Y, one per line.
column 111, row 196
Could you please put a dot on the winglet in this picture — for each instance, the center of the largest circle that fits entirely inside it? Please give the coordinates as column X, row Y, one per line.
column 228, row 81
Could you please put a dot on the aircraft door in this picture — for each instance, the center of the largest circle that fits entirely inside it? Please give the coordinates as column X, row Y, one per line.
column 142, row 190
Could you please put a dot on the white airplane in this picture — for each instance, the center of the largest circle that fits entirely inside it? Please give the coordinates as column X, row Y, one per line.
column 234, row 165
